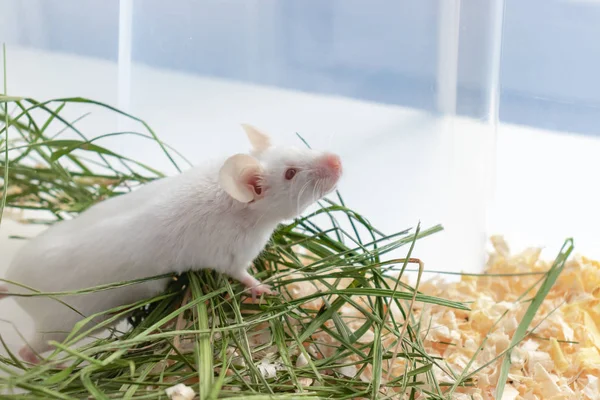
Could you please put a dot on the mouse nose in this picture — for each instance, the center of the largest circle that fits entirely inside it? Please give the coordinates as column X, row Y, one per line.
column 333, row 163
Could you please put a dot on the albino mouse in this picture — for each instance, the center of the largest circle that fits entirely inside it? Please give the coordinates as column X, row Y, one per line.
column 217, row 216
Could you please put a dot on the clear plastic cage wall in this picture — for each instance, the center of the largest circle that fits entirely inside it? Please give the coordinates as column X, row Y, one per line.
column 405, row 91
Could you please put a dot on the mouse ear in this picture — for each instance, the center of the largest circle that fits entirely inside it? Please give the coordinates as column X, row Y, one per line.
column 259, row 140
column 240, row 176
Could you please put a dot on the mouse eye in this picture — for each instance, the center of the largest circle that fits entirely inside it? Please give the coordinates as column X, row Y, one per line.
column 290, row 173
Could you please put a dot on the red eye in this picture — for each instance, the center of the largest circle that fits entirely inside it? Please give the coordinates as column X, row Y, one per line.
column 290, row 173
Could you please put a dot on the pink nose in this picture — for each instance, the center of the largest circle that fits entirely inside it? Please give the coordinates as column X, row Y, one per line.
column 333, row 162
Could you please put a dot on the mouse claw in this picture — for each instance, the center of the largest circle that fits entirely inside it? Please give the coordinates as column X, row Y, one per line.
column 260, row 290
column 256, row 287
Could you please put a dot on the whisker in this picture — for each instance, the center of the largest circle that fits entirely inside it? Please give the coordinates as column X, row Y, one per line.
column 291, row 191
column 315, row 186
column 300, row 196
column 259, row 218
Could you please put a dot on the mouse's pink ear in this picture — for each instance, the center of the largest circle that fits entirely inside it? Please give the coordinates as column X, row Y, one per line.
column 259, row 140
column 241, row 176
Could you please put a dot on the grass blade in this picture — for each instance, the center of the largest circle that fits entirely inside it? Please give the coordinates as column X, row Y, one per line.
column 537, row 300
column 203, row 348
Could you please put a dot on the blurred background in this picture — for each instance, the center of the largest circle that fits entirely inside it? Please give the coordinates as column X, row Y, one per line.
column 482, row 116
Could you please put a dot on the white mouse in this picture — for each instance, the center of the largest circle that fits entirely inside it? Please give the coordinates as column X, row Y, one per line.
column 218, row 216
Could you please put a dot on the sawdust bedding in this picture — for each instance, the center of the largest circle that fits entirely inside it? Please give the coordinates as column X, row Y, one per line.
column 559, row 359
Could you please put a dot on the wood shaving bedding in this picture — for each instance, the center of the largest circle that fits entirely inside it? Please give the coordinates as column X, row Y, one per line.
column 560, row 359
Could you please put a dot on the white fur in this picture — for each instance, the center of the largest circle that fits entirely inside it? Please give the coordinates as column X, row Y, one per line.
column 170, row 225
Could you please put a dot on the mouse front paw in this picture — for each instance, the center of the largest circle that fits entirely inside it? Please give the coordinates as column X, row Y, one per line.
column 256, row 287
column 261, row 289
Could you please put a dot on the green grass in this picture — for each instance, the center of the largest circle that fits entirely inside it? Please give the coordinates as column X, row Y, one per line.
column 61, row 178
column 201, row 331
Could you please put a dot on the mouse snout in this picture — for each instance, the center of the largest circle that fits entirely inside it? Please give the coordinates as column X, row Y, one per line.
column 332, row 163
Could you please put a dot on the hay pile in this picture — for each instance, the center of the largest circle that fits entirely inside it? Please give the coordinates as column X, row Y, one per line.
column 558, row 359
